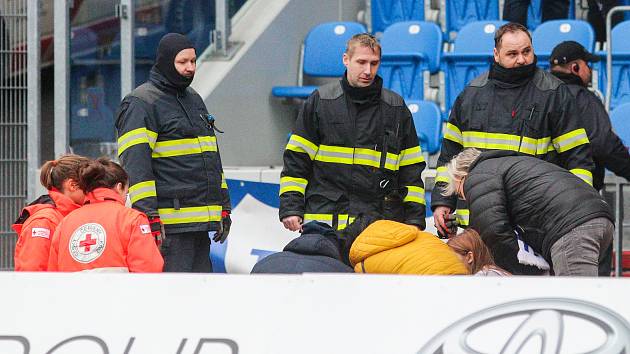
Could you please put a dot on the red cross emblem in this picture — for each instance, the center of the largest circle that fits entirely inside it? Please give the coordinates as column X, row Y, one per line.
column 89, row 241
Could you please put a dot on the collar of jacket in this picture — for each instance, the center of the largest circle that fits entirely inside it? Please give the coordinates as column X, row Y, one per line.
column 513, row 77
column 569, row 79
column 62, row 203
column 362, row 95
column 162, row 83
column 100, row 195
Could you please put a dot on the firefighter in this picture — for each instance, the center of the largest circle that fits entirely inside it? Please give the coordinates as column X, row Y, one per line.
column 104, row 235
column 166, row 142
column 37, row 222
column 354, row 150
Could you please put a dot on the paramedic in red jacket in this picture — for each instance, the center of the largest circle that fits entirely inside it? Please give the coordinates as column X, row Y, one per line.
column 37, row 222
column 104, row 235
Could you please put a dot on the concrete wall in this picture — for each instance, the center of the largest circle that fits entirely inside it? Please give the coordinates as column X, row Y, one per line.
column 238, row 92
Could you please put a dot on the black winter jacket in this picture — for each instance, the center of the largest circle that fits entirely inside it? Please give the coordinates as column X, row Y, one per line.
column 608, row 150
column 316, row 250
column 505, row 189
column 343, row 160
column 167, row 144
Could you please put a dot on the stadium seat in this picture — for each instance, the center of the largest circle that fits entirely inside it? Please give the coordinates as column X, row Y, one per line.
column 428, row 121
column 620, row 119
column 388, row 12
column 620, row 65
column 411, row 50
column 471, row 56
column 551, row 33
column 458, row 13
column 322, row 51
column 534, row 13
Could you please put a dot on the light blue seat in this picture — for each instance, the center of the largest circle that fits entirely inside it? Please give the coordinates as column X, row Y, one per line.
column 388, row 12
column 551, row 33
column 620, row 65
column 410, row 49
column 620, row 119
column 322, row 56
column 461, row 12
column 428, row 121
column 534, row 13
column 471, row 56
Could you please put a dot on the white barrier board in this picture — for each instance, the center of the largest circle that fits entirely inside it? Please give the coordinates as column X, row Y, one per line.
column 185, row 314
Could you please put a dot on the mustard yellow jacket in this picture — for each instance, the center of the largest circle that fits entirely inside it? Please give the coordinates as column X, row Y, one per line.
column 393, row 248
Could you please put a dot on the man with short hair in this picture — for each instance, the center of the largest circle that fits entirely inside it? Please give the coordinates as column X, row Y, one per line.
column 506, row 190
column 570, row 63
column 354, row 150
column 515, row 106
column 166, row 143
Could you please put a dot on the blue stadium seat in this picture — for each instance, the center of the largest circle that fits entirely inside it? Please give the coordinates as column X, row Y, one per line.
column 620, row 65
column 409, row 50
column 551, row 33
column 388, row 12
column 461, row 12
column 534, row 13
column 428, row 121
column 322, row 55
column 620, row 119
column 471, row 56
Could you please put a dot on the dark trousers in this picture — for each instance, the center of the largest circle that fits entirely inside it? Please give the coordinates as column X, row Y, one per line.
column 597, row 11
column 516, row 10
column 187, row 252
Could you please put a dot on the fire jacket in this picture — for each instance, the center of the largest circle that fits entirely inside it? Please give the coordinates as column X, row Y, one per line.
column 607, row 148
column 505, row 189
column 166, row 143
column 537, row 118
column 104, row 235
column 338, row 165
column 35, row 228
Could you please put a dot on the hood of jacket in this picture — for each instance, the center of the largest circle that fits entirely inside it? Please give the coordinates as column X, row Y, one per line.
column 316, row 239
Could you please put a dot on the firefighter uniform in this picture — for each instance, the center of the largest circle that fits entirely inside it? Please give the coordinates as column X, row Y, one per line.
column 104, row 235
column 345, row 158
column 532, row 115
column 35, row 227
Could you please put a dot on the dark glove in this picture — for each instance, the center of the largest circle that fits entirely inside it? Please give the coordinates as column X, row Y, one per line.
column 157, row 230
column 450, row 220
column 224, row 227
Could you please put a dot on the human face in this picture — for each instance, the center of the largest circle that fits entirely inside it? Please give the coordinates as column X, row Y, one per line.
column 70, row 188
column 460, row 188
column 361, row 66
column 186, row 62
column 122, row 189
column 466, row 258
column 583, row 71
column 514, row 50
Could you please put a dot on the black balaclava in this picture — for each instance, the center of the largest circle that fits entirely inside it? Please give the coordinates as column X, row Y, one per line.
column 170, row 45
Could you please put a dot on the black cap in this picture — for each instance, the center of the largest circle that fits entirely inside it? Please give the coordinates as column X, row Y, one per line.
column 569, row 51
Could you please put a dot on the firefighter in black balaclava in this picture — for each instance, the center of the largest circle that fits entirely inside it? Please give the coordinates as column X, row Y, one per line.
column 166, row 143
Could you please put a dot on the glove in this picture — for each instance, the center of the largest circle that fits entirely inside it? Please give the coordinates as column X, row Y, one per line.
column 157, row 230
column 224, row 227
column 451, row 222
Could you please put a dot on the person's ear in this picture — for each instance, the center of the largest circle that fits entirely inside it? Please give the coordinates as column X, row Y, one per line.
column 470, row 258
column 575, row 68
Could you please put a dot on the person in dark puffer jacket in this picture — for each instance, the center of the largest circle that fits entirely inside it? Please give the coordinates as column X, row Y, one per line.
column 318, row 250
column 570, row 220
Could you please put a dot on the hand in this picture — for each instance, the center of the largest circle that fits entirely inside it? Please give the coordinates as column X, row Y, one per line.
column 224, row 228
column 293, row 223
column 451, row 223
column 439, row 218
column 157, row 230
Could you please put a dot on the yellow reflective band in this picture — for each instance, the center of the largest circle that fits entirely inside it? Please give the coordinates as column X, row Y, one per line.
column 293, row 184
column 343, row 220
column 411, row 156
column 180, row 147
column 452, row 133
column 442, row 175
column 356, row 156
column 509, row 142
column 415, row 194
column 170, row 216
column 335, row 154
column 299, row 144
column 568, row 141
column 586, row 175
column 135, row 137
column 463, row 216
column 223, row 182
column 142, row 190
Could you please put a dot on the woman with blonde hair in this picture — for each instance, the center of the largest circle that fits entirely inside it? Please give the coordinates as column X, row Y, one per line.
column 471, row 250
column 37, row 222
